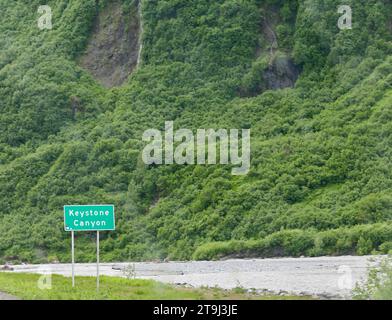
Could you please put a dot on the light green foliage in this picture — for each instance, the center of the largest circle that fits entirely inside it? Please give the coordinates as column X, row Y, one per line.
column 379, row 283
column 321, row 171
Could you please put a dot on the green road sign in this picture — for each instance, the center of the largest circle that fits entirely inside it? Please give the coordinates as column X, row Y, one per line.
column 89, row 218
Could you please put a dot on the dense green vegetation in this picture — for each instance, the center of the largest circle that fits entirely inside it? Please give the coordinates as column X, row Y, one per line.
column 321, row 172
column 24, row 286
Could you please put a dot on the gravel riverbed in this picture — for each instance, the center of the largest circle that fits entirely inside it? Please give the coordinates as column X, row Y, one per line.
column 328, row 277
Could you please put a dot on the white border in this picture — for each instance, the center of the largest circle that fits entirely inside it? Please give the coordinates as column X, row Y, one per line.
column 91, row 205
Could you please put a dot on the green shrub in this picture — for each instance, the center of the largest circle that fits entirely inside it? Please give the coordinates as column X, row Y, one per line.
column 378, row 285
column 364, row 246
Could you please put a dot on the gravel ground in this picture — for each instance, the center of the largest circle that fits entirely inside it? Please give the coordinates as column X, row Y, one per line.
column 5, row 296
column 329, row 277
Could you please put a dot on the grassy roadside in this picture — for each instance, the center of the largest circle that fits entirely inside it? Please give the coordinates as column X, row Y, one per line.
column 25, row 286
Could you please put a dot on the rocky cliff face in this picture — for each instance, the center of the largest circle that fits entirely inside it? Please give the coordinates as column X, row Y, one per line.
column 282, row 73
column 273, row 67
column 113, row 50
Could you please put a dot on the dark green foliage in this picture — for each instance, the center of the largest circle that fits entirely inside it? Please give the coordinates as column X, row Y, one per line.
column 321, row 172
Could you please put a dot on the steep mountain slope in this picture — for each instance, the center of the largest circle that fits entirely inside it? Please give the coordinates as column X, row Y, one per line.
column 320, row 180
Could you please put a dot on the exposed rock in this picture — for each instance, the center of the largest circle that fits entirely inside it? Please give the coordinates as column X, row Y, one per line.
column 117, row 268
column 281, row 74
column 273, row 68
column 113, row 50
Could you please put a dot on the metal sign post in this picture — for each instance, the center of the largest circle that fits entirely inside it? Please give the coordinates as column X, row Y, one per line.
column 88, row 218
column 73, row 258
column 97, row 261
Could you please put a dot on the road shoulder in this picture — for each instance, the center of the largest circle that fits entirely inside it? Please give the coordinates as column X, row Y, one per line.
column 6, row 296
